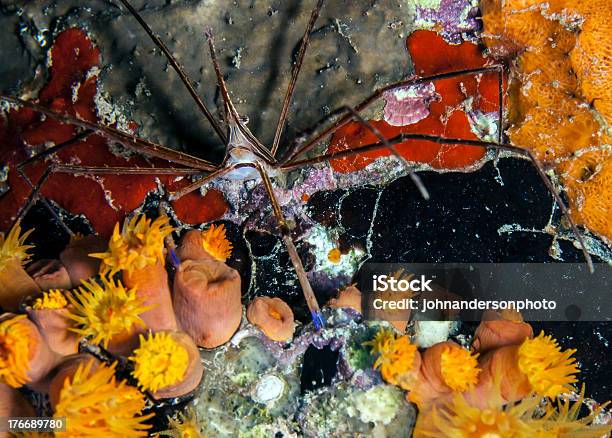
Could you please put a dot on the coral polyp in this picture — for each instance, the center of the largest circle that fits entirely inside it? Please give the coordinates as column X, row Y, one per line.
column 273, row 316
column 15, row 283
column 397, row 358
column 562, row 419
column 459, row 418
column 14, row 352
column 549, row 370
column 214, row 241
column 94, row 403
column 13, row 247
column 52, row 299
column 106, row 309
column 159, row 362
column 185, row 426
column 138, row 244
column 459, row 369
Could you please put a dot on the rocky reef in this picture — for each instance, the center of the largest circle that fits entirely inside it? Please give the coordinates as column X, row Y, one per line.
column 133, row 313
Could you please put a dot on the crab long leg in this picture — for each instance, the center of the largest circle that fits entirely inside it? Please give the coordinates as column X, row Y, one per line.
column 346, row 118
column 179, row 70
column 452, row 141
column 129, row 141
column 199, row 183
column 400, row 138
column 90, row 170
column 53, row 149
column 98, row 170
column 34, row 193
column 294, row 76
column 311, row 299
column 413, row 176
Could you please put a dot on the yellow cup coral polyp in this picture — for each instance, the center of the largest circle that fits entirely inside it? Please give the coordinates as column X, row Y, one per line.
column 107, row 312
column 273, row 316
column 398, row 359
column 562, row 420
column 167, row 364
column 500, row 329
column 549, row 370
column 94, row 403
column 347, row 297
column 216, row 244
column 186, row 426
column 15, row 283
column 202, row 245
column 25, row 357
column 137, row 251
column 207, row 301
column 536, row 365
column 491, row 418
column 53, row 299
column 51, row 313
column 446, row 368
column 14, row 352
column 139, row 243
column 459, row 419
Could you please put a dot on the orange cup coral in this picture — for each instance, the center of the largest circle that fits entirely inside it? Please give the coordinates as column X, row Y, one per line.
column 25, row 357
column 399, row 360
column 186, row 426
column 51, row 313
column 205, row 245
column 88, row 395
column 137, row 245
column 108, row 313
column 537, row 365
column 207, row 301
column 500, row 329
column 347, row 297
column 273, row 316
column 492, row 418
column 167, row 364
column 446, row 368
column 562, row 419
column 15, row 283
column 49, row 274
column 458, row 418
column 137, row 251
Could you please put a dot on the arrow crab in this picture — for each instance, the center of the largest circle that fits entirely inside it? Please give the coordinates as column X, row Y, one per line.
column 248, row 158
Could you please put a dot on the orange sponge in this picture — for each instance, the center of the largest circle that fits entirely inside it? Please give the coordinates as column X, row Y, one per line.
column 558, row 76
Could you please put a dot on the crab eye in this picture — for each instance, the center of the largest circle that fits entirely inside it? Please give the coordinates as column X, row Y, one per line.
column 244, row 120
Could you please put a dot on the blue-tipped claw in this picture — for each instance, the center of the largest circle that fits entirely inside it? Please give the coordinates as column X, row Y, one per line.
column 317, row 319
column 175, row 260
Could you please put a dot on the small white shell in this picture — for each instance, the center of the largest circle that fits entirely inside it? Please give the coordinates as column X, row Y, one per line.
column 269, row 389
